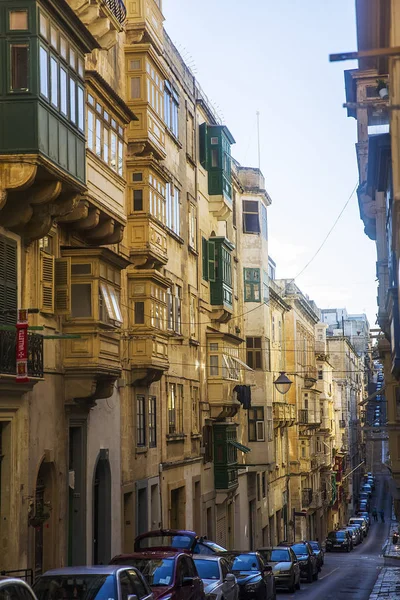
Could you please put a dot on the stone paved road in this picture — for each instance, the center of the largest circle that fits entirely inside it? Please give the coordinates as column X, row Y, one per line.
column 352, row 576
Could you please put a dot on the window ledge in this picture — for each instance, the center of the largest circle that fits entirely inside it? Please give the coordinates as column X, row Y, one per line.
column 175, row 235
column 193, row 342
column 195, row 436
column 192, row 250
column 141, row 449
column 175, row 437
column 177, row 337
column 173, row 137
column 190, row 159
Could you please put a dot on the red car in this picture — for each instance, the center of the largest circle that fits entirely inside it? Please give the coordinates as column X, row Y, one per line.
column 172, row 575
column 176, row 539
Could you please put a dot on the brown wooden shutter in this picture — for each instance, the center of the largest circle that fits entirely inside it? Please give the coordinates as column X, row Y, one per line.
column 62, row 297
column 46, row 283
column 8, row 281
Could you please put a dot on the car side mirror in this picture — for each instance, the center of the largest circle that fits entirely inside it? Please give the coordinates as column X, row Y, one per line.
column 132, row 597
column 230, row 578
column 187, row 581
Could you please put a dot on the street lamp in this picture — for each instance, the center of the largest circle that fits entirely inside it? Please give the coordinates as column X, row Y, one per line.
column 282, row 383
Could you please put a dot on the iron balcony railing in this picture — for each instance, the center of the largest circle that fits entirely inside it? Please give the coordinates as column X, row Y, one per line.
column 306, row 497
column 118, row 9
column 8, row 344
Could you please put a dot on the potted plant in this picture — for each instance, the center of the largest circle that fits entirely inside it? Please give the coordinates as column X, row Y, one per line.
column 382, row 88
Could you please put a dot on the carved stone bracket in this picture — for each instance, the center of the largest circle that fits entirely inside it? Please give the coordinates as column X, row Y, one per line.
column 15, row 176
column 86, row 389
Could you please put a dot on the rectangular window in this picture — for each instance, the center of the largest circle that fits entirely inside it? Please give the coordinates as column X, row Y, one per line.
column 106, row 134
column 172, row 208
column 170, row 310
column 137, row 200
column 63, row 92
column 320, row 374
column 44, row 72
column 264, row 222
column 81, row 109
column 109, row 304
column 270, row 426
column 113, row 151
column 140, row 421
column 256, row 424
column 135, row 88
column 18, row 20
column 193, row 316
column 90, row 138
column 195, row 410
column 54, row 81
column 177, row 309
column 254, row 353
column 81, row 300
column 193, row 226
column 19, row 55
column 214, row 360
column 175, row 408
column 251, row 219
column 152, row 421
column 44, row 25
column 204, row 255
column 120, row 158
column 139, row 313
column 265, row 287
column 252, row 285
column 171, row 108
column 72, row 100
column 98, row 138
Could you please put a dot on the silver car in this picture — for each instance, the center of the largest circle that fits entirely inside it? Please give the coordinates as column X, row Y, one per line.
column 218, row 582
column 15, row 589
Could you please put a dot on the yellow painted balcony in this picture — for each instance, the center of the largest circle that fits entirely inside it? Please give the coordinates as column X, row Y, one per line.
column 149, row 357
column 147, row 242
column 103, row 18
column 224, row 373
column 284, row 414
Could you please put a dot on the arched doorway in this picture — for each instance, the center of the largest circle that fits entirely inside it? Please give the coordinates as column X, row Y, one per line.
column 42, row 520
column 102, row 510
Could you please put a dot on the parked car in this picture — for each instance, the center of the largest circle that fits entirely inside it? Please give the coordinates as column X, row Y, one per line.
column 92, row 583
column 219, row 583
column 15, row 589
column 176, row 539
column 307, row 560
column 338, row 541
column 366, row 488
column 361, row 521
column 285, row 566
column 365, row 516
column 356, row 535
column 319, row 553
column 169, row 574
column 255, row 578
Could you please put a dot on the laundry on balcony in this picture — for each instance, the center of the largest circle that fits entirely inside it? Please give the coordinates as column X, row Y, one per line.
column 243, row 395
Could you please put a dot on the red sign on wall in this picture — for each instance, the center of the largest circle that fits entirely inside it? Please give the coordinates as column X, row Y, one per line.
column 22, row 347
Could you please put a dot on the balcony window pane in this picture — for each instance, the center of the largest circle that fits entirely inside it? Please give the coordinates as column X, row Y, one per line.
column 81, row 300
column 72, row 100
column 81, row 109
column 81, row 68
column 19, row 67
column 98, row 138
column 18, row 20
column 120, row 158
column 90, row 138
column 115, row 304
column 106, row 134
column 137, row 200
column 63, row 92
column 139, row 313
column 107, row 301
column 54, row 37
column 54, row 81
column 113, row 151
column 44, row 25
column 135, row 87
column 63, row 48
column 72, row 58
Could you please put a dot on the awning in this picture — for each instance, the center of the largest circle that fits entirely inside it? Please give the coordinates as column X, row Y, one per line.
column 239, row 446
column 374, row 395
column 240, row 362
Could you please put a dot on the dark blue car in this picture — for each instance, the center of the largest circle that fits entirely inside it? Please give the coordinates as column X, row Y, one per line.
column 254, row 576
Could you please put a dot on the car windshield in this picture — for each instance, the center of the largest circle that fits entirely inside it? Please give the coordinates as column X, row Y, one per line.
column 157, row 571
column 245, row 562
column 299, row 549
column 75, row 587
column 207, row 569
column 335, row 534
column 359, row 521
column 207, row 547
column 340, row 535
column 161, row 541
column 314, row 545
column 276, row 555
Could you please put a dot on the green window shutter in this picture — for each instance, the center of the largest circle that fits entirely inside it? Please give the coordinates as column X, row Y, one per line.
column 8, row 281
column 212, row 259
column 46, row 283
column 252, row 285
column 203, row 145
column 204, row 250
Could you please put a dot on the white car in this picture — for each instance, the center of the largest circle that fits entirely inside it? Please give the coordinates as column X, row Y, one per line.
column 218, row 582
column 15, row 589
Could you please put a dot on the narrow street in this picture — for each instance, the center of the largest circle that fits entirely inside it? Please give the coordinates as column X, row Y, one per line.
column 353, row 575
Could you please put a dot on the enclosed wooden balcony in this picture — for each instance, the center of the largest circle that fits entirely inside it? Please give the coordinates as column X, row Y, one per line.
column 103, row 18
column 226, row 448
column 284, row 414
column 149, row 357
column 224, row 370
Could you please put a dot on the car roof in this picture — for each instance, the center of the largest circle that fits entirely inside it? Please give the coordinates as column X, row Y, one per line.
column 147, row 554
column 274, row 547
column 95, row 570
column 12, row 580
column 207, row 557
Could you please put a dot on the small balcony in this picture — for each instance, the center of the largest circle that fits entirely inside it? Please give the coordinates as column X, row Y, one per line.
column 284, row 414
column 316, row 501
column 151, row 357
column 309, row 417
column 103, row 18
column 226, row 463
column 8, row 344
column 306, row 497
column 310, row 376
column 147, row 243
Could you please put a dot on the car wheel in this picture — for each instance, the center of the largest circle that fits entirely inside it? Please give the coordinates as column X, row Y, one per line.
column 292, row 586
column 309, row 575
column 315, row 576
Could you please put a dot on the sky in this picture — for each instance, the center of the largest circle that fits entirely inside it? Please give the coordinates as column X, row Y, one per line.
column 272, row 56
